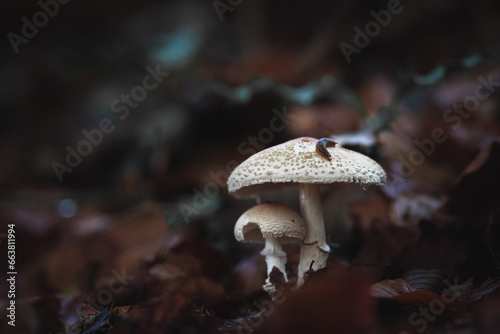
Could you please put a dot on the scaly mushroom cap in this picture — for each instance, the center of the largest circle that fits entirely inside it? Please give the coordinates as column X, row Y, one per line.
column 269, row 220
column 296, row 161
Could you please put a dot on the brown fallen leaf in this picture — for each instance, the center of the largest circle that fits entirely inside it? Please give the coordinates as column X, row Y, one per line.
column 418, row 297
column 425, row 279
column 390, row 288
column 138, row 234
column 485, row 307
column 486, row 288
column 401, row 291
column 121, row 310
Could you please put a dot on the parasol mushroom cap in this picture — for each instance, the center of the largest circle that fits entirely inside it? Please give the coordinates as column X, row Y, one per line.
column 269, row 220
column 296, row 161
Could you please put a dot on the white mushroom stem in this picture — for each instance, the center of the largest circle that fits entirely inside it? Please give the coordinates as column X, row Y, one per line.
column 314, row 246
column 275, row 257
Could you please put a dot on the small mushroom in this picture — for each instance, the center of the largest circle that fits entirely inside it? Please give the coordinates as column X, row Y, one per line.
column 298, row 162
column 271, row 223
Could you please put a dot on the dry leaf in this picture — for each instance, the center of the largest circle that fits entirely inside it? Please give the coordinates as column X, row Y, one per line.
column 401, row 291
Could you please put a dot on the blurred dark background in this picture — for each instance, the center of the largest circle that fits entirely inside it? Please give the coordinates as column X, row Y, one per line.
column 65, row 78
column 232, row 66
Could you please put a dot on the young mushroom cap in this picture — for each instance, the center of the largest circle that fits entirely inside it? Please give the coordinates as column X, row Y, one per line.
column 269, row 220
column 271, row 223
column 298, row 162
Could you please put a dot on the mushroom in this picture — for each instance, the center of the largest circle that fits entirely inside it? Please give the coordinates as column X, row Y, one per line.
column 309, row 163
column 270, row 223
